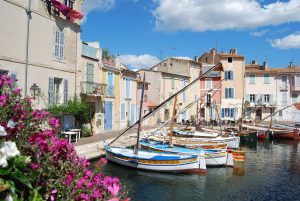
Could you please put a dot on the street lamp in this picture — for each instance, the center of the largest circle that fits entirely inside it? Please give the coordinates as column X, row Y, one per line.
column 34, row 91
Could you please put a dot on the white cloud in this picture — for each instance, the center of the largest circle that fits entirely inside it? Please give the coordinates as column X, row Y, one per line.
column 287, row 42
column 258, row 33
column 141, row 61
column 98, row 5
column 205, row 15
column 183, row 57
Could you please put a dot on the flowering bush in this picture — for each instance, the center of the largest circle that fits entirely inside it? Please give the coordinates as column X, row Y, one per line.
column 37, row 165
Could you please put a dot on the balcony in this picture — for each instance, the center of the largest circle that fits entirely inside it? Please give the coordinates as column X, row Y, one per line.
column 89, row 51
column 110, row 91
column 93, row 89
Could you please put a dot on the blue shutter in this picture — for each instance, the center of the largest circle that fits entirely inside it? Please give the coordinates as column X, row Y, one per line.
column 223, row 112
column 226, row 75
column 226, row 93
column 231, row 76
column 66, row 91
column 127, row 88
column 233, row 93
column 123, row 111
column 51, row 91
column 231, row 112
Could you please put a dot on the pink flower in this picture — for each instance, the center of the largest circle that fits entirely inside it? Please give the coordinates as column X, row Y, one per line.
column 114, row 189
column 88, row 174
column 80, row 182
column 3, row 99
column 35, row 166
column 17, row 90
column 84, row 196
column 69, row 178
column 54, row 122
column 96, row 194
column 103, row 161
column 114, row 199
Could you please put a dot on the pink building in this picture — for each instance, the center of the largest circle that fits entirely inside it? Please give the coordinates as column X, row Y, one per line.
column 210, row 92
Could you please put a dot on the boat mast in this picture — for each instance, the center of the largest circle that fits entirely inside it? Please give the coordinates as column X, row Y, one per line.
column 217, row 67
column 140, row 118
column 172, row 122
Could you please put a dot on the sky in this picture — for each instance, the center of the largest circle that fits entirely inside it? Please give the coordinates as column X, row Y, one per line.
column 144, row 32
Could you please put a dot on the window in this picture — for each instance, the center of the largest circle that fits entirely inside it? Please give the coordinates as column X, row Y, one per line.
column 208, row 83
column 208, row 99
column 229, row 75
column 183, row 94
column 173, row 83
column 266, row 79
column 127, row 87
column 123, row 111
column 272, row 110
column 228, row 112
column 57, row 90
column 229, row 59
column 284, row 82
column 297, row 81
column 229, row 93
column 294, row 98
column 252, row 79
column 284, row 98
column 280, row 113
column 267, row 98
column 252, row 98
column 59, row 45
column 69, row 3
column 3, row 72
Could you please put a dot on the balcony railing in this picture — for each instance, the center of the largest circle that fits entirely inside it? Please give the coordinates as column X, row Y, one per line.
column 93, row 88
column 110, row 91
column 284, row 87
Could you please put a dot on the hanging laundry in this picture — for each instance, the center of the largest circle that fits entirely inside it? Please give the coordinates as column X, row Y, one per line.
column 66, row 11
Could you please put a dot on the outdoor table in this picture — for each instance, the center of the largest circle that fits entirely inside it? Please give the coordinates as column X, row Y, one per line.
column 76, row 130
column 69, row 134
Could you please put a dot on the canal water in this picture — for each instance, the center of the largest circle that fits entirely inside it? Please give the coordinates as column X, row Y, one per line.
column 272, row 172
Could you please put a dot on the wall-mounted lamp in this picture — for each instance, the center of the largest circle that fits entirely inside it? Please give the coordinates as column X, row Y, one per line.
column 34, row 91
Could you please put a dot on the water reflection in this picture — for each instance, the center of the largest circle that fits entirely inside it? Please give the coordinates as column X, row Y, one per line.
column 271, row 172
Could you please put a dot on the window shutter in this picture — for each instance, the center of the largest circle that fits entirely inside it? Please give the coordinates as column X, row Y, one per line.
column 248, row 98
column 226, row 75
column 51, row 91
column 172, row 83
column 231, row 112
column 271, row 99
column 231, row 76
column 61, row 45
column 226, row 93
column 233, row 93
column 66, row 91
column 223, row 112
column 122, row 111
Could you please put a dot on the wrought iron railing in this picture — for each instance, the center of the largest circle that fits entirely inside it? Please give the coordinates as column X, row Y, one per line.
column 93, row 88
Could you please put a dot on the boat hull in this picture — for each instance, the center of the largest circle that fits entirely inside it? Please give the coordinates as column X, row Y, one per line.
column 156, row 162
column 291, row 134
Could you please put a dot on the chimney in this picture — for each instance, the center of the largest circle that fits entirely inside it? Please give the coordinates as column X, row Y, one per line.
column 253, row 62
column 233, row 51
column 291, row 64
column 265, row 65
column 213, row 52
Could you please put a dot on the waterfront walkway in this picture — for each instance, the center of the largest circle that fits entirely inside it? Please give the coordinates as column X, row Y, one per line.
column 93, row 146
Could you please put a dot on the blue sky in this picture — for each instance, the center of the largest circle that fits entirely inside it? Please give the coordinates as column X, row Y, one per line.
column 143, row 32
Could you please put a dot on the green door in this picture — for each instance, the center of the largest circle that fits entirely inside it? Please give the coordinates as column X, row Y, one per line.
column 89, row 78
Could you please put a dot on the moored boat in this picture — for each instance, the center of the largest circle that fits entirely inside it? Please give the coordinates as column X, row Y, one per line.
column 160, row 162
column 214, row 157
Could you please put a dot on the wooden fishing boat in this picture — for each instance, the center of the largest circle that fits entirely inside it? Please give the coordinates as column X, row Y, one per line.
column 198, row 134
column 289, row 134
column 160, row 162
column 213, row 157
column 248, row 135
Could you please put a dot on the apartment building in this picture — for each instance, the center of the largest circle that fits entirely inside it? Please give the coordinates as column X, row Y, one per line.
column 128, row 97
column 43, row 49
column 260, row 91
column 111, row 74
column 232, row 81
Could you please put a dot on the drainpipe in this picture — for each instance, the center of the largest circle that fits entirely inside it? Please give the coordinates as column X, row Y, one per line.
column 28, row 12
